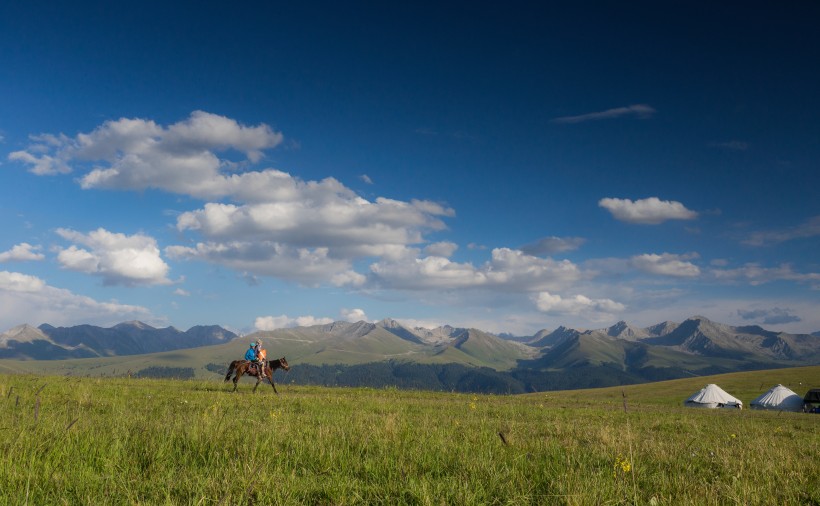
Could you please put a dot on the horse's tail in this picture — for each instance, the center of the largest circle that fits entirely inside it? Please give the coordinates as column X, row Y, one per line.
column 230, row 370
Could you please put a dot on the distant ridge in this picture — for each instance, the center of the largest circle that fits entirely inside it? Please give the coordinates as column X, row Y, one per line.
column 47, row 342
column 391, row 353
column 550, row 359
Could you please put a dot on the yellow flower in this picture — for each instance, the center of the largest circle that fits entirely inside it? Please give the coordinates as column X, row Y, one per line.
column 472, row 405
column 623, row 464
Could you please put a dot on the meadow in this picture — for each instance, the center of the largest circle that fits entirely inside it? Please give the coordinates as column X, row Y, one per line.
column 74, row 440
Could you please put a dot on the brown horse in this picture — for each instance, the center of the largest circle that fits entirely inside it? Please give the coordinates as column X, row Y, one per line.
column 241, row 367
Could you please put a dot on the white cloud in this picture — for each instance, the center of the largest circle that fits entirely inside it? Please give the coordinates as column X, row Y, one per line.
column 366, row 178
column 181, row 292
column 577, row 305
column 137, row 154
column 640, row 111
column 118, row 258
column 323, row 221
column 552, row 244
column 42, row 165
column 508, row 270
column 302, row 265
column 666, row 264
column 441, row 249
column 353, row 315
column 21, row 252
column 651, row 211
column 284, row 321
column 313, row 217
column 28, row 299
column 21, row 283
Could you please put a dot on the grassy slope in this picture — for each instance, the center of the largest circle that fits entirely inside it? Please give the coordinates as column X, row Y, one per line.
column 121, row 441
column 490, row 350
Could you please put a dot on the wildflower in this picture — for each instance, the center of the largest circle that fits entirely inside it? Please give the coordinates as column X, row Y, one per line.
column 733, row 436
column 472, row 405
column 623, row 464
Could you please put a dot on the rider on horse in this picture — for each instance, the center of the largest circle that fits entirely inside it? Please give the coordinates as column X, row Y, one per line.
column 259, row 357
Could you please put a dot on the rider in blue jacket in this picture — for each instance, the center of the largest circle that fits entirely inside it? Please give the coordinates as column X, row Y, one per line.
column 250, row 355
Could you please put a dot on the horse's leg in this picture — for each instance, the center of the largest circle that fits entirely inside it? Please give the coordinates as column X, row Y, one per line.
column 239, row 372
column 258, row 381
column 272, row 383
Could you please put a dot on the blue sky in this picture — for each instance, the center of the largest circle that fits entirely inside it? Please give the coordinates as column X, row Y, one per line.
column 508, row 167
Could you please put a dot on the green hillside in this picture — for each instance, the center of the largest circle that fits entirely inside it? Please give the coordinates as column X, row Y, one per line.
column 144, row 441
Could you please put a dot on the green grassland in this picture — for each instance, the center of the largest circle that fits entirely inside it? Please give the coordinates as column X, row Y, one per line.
column 94, row 440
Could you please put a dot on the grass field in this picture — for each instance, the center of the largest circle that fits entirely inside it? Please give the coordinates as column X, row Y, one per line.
column 130, row 441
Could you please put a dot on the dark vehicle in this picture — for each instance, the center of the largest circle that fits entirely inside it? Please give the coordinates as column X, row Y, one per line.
column 811, row 401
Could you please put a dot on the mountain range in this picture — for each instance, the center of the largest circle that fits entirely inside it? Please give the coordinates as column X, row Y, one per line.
column 562, row 357
column 46, row 342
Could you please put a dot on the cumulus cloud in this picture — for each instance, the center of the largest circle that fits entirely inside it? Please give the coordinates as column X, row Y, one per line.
column 302, row 265
column 640, row 111
column 271, row 205
column 41, row 164
column 651, row 211
column 576, row 305
column 508, row 270
column 21, row 252
column 29, row 299
column 262, row 222
column 136, row 154
column 551, row 245
column 666, row 264
column 353, row 315
column 319, row 216
column 441, row 249
column 284, row 321
column 810, row 228
column 120, row 259
column 773, row 316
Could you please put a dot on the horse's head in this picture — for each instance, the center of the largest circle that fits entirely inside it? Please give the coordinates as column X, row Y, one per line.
column 279, row 363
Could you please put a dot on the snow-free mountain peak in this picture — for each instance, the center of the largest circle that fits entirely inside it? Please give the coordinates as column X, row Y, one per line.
column 24, row 333
column 348, row 329
column 623, row 330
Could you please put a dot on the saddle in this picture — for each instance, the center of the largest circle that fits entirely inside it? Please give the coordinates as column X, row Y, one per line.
column 256, row 369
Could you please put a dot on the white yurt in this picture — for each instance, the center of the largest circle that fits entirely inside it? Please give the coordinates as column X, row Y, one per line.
column 712, row 396
column 778, row 398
